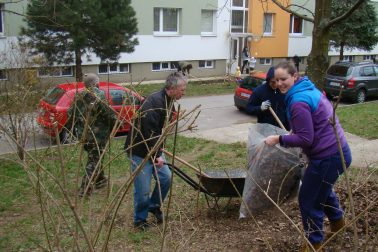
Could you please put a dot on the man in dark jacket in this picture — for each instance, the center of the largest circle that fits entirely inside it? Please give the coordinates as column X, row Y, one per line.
column 153, row 117
column 265, row 96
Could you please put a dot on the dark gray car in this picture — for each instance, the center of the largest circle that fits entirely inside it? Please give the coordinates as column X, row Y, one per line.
column 359, row 79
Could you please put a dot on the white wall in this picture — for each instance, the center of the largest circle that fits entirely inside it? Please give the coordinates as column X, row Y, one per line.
column 300, row 46
column 187, row 47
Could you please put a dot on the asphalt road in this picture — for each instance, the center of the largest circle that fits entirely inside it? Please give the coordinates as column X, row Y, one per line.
column 216, row 112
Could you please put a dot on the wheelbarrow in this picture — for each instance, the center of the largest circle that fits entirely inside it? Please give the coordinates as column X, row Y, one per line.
column 214, row 184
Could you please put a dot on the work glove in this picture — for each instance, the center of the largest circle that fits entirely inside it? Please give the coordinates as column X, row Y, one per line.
column 265, row 105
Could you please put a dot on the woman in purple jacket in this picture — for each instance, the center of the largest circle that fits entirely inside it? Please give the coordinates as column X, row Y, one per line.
column 309, row 112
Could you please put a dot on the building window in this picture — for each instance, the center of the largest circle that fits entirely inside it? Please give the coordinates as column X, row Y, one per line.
column 368, row 57
column 266, row 61
column 268, row 24
column 239, row 16
column 55, row 71
column 208, row 22
column 3, row 74
column 164, row 66
column 348, row 58
column 166, row 21
column 113, row 68
column 206, row 64
column 296, row 25
column 1, row 19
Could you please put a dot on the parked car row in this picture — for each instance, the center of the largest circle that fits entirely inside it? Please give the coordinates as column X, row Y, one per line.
column 53, row 107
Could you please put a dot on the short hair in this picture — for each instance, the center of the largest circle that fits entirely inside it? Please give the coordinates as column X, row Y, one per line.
column 287, row 65
column 173, row 80
column 91, row 80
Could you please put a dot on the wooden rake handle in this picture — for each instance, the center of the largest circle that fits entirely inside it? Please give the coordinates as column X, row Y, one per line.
column 277, row 119
column 195, row 169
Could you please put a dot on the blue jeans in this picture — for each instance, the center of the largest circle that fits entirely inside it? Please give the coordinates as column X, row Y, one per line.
column 143, row 202
column 316, row 195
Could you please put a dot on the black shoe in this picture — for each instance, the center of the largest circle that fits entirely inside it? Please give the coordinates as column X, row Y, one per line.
column 101, row 183
column 83, row 193
column 142, row 225
column 158, row 214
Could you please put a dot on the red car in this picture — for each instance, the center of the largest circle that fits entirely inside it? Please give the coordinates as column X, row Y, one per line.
column 245, row 88
column 52, row 109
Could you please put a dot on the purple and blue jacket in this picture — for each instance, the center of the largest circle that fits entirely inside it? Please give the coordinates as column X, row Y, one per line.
column 309, row 111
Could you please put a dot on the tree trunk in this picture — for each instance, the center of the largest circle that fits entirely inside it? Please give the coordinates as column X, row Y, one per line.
column 79, row 70
column 341, row 57
column 318, row 60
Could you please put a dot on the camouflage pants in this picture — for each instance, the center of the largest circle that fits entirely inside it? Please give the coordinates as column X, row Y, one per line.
column 94, row 153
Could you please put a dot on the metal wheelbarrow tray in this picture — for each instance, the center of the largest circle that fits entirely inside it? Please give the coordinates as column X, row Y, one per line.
column 215, row 184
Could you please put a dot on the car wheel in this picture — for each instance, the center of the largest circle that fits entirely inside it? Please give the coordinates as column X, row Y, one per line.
column 361, row 96
column 240, row 108
column 66, row 137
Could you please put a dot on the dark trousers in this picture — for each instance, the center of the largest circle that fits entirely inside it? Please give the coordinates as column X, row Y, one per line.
column 94, row 154
column 316, row 195
column 245, row 62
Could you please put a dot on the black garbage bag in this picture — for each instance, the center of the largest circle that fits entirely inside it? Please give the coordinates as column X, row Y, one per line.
column 272, row 170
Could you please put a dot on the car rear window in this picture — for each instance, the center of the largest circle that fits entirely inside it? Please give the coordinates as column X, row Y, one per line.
column 338, row 70
column 250, row 82
column 120, row 97
column 53, row 95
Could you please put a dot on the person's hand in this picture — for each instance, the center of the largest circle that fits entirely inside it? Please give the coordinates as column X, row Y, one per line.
column 272, row 140
column 159, row 162
column 265, row 105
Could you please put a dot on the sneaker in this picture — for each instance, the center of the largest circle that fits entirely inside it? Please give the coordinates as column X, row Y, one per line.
column 142, row 225
column 158, row 214
column 101, row 183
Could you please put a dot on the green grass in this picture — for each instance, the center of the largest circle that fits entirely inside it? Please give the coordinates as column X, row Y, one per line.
column 360, row 119
column 193, row 88
column 21, row 222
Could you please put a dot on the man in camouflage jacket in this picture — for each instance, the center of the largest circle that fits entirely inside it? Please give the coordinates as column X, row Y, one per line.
column 93, row 120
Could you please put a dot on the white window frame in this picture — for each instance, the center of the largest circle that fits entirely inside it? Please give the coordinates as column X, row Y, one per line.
column 54, row 72
column 268, row 33
column 367, row 57
column 5, row 75
column 266, row 61
column 348, row 58
column 207, row 64
column 161, row 19
column 117, row 71
column 171, row 66
column 213, row 32
column 1, row 19
column 244, row 26
column 291, row 30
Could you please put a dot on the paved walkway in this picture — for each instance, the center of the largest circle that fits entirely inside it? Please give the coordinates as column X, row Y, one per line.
column 364, row 152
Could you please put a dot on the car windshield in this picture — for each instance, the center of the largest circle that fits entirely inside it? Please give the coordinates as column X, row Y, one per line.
column 53, row 95
column 250, row 82
column 338, row 70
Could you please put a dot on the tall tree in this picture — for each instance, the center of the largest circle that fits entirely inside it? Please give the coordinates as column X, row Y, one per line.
column 318, row 60
column 66, row 30
column 359, row 29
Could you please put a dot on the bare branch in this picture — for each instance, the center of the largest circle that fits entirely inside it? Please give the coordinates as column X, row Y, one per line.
column 288, row 10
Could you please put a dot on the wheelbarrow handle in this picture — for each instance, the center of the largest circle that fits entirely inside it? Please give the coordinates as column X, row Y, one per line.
column 277, row 119
column 187, row 164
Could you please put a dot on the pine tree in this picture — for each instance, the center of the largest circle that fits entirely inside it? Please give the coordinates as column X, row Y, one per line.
column 66, row 30
column 358, row 31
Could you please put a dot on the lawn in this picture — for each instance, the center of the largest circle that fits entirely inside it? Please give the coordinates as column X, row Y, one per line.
column 360, row 119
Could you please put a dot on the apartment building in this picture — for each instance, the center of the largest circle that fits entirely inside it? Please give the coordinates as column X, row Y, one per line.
column 209, row 34
column 278, row 35
column 196, row 31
